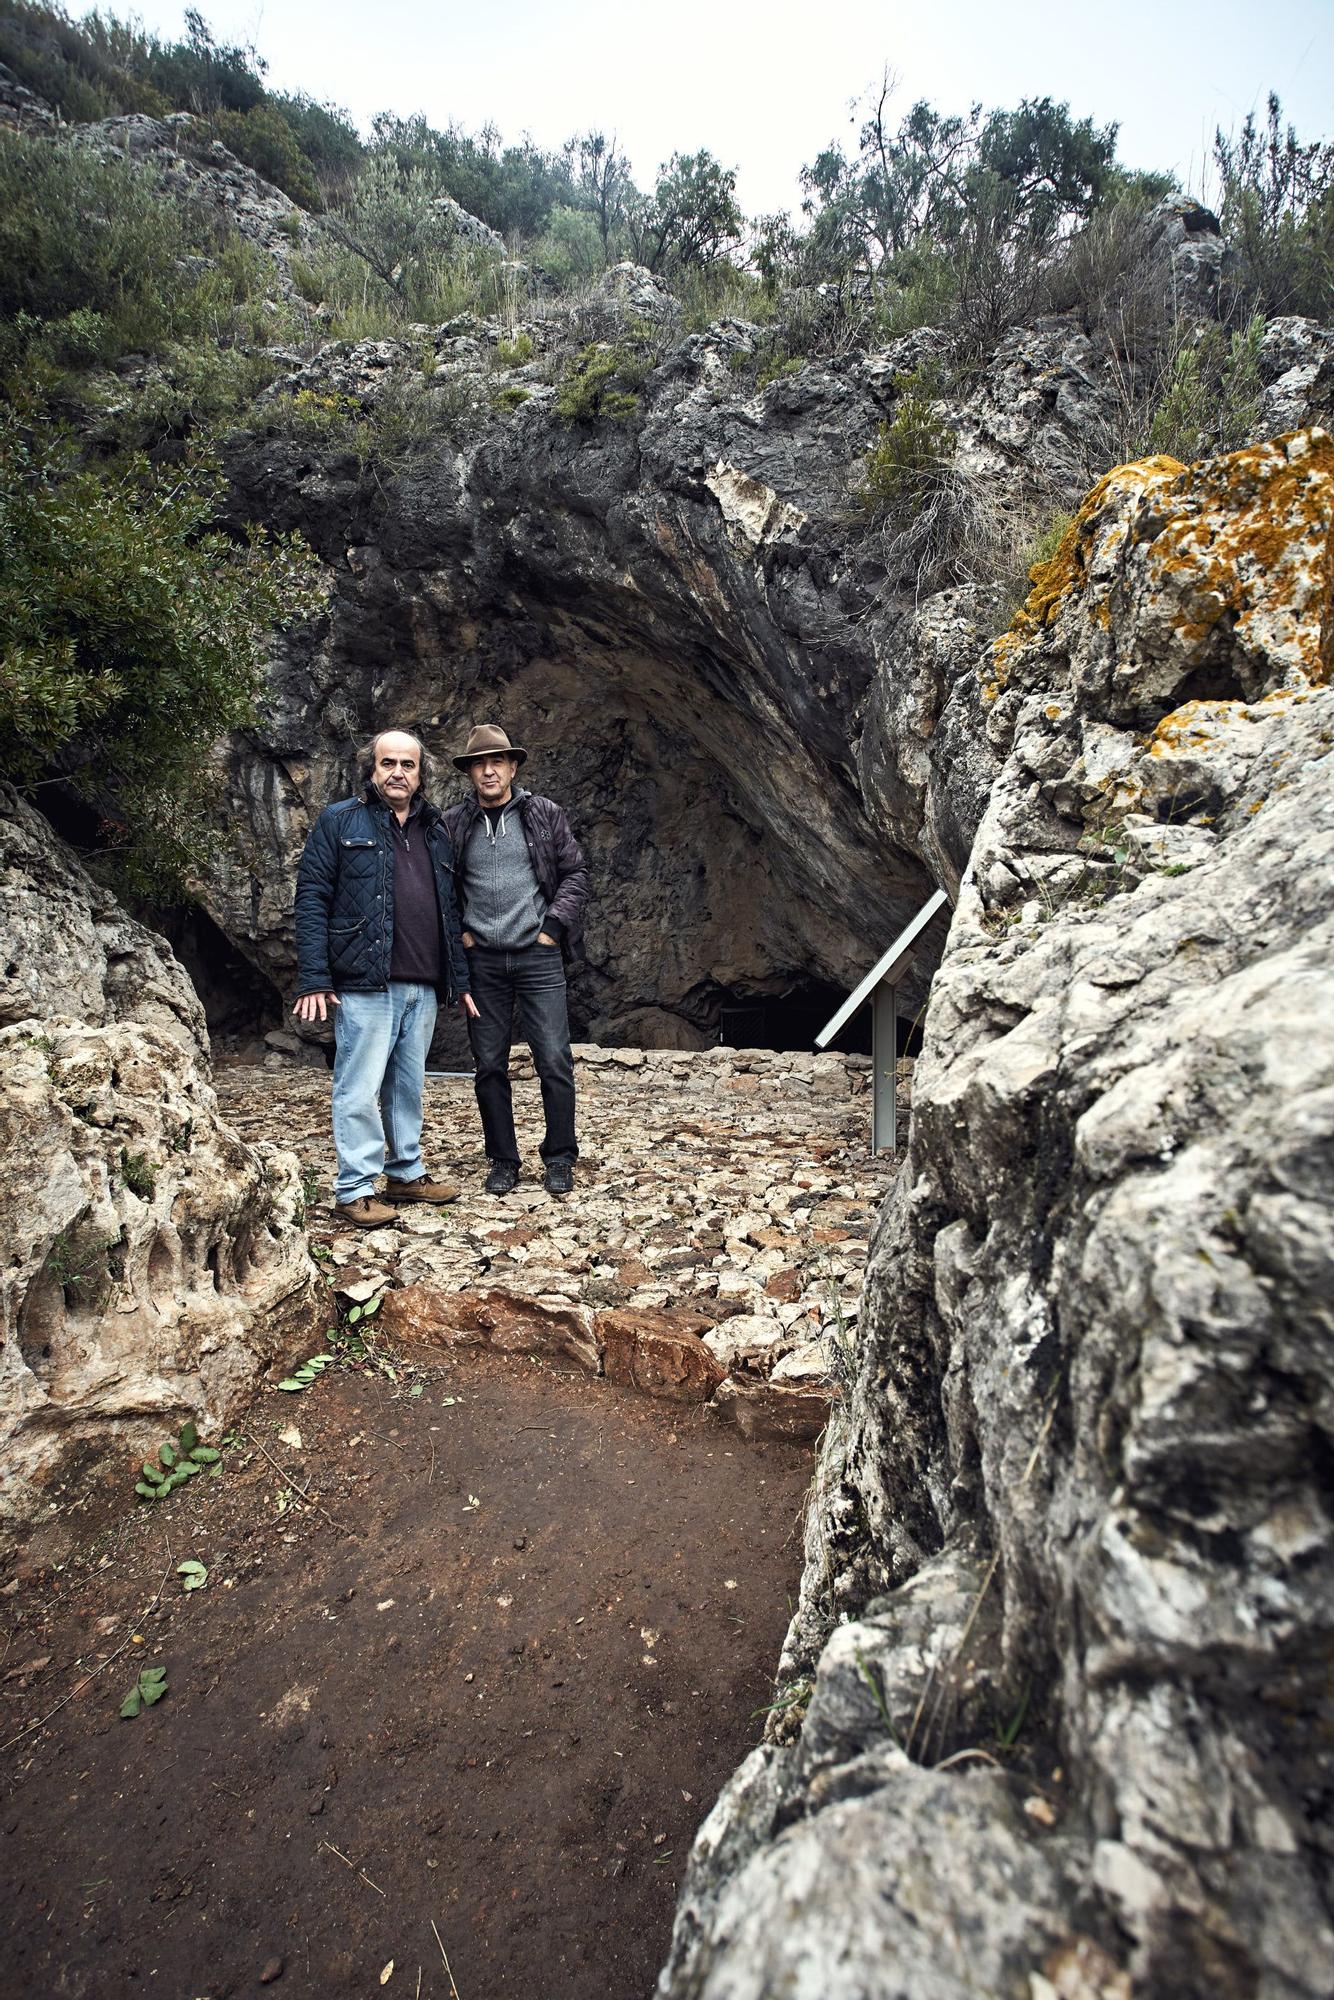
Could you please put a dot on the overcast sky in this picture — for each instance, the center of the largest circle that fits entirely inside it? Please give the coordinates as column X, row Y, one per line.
column 765, row 86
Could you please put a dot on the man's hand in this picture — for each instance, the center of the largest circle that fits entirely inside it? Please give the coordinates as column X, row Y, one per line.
column 470, row 1007
column 311, row 1007
column 542, row 938
column 468, row 940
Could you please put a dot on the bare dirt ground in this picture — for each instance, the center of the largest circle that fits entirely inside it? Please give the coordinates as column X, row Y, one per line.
column 471, row 1697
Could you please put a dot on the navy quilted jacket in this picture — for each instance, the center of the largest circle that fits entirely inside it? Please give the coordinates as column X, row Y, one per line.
column 344, row 916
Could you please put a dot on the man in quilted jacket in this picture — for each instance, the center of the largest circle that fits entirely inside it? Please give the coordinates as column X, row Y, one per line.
column 522, row 886
column 377, row 938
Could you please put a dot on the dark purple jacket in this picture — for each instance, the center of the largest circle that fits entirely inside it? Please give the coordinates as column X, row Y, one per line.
column 557, row 862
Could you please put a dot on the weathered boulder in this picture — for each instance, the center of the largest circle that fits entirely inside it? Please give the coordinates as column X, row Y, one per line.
column 1076, row 1495
column 154, row 1263
column 67, row 946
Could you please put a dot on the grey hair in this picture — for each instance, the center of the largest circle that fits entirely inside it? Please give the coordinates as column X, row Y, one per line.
column 366, row 755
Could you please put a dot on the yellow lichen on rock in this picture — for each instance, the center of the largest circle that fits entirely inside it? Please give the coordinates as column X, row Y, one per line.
column 1067, row 572
column 1251, row 545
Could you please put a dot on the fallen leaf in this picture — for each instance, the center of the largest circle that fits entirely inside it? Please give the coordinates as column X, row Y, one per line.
column 385, row 1604
column 289, row 1434
column 387, row 1974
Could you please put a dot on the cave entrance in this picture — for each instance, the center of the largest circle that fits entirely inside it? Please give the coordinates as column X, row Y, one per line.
column 789, row 1020
column 238, row 1000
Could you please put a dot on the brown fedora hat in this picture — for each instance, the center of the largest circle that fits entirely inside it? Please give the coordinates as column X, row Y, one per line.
column 488, row 740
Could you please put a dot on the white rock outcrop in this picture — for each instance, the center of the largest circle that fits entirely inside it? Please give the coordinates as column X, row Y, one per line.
column 1052, row 1702
column 153, row 1262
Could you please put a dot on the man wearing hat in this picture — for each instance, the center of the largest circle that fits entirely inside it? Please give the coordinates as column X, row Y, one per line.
column 522, row 886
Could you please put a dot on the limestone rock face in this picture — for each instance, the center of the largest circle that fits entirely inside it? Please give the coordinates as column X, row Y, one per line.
column 67, row 947
column 153, row 1263
column 1076, row 1497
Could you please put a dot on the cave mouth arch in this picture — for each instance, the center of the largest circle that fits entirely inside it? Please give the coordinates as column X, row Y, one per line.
column 709, row 770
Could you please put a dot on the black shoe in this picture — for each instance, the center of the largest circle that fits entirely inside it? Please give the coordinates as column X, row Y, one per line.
column 559, row 1177
column 503, row 1177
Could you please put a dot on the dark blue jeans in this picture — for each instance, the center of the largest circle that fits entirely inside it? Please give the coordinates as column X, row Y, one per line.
column 534, row 978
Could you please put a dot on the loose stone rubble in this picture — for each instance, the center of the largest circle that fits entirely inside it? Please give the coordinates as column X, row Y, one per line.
column 712, row 1249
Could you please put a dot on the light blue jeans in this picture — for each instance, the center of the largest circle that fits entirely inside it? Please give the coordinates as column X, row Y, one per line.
column 379, row 1071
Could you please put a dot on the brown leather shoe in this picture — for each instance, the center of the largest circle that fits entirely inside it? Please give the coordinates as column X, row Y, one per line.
column 365, row 1212
column 423, row 1189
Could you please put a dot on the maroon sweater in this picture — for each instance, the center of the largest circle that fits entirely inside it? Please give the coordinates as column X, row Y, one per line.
column 416, row 953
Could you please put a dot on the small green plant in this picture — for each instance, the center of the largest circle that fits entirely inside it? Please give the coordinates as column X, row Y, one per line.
column 178, row 1460
column 139, row 1174
column 792, row 1702
column 512, row 397
column 777, row 368
column 66, row 1266
column 309, row 1371
column 513, row 353
column 877, row 1696
column 1212, row 400
column 148, row 1689
column 311, row 1187
column 911, row 450
column 193, row 1575
column 1008, row 1735
column 601, row 381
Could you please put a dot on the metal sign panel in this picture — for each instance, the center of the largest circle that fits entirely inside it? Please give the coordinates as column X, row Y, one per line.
column 887, row 967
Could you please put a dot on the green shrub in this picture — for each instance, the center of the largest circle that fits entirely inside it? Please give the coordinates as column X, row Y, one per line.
column 138, row 1173
column 198, row 388
column 1212, row 399
column 910, row 451
column 919, row 287
column 776, row 366
column 1277, row 214
column 265, row 141
column 570, row 252
column 307, row 280
column 512, row 397
column 601, row 381
column 131, row 638
column 96, row 262
column 82, row 234
column 514, row 353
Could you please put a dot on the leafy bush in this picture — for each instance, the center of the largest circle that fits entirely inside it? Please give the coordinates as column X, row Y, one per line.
column 601, row 381
column 570, row 250
column 1212, row 400
column 265, row 141
column 514, row 353
column 910, row 452
column 691, row 220
column 131, row 638
column 409, row 412
column 1278, row 216
column 81, row 234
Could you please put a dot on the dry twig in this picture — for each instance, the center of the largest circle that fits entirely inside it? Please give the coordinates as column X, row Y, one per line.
column 353, row 1866
column 454, row 1991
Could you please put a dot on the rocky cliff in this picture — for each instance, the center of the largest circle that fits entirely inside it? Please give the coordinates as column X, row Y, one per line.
column 1053, row 1712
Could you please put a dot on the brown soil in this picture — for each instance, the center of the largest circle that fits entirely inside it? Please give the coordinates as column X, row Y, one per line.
column 501, row 1702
